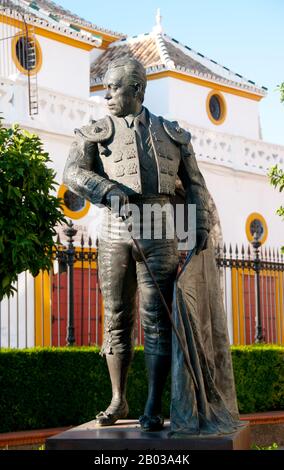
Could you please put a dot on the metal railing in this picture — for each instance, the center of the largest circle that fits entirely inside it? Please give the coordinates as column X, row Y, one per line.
column 65, row 307
column 67, row 258
column 253, row 286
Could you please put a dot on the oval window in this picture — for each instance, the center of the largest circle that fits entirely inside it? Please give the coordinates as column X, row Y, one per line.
column 73, row 202
column 216, row 107
column 26, row 53
column 256, row 224
column 73, row 205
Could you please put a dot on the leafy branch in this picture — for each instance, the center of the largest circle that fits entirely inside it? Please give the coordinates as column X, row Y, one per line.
column 280, row 88
column 29, row 211
column 276, row 176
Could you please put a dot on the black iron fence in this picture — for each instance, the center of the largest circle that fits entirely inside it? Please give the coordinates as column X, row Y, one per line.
column 77, row 314
column 65, row 305
column 253, row 286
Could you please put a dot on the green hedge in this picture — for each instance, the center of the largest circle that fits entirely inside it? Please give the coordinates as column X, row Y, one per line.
column 259, row 377
column 50, row 387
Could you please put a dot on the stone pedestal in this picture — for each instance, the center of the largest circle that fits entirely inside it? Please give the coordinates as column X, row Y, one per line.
column 126, row 434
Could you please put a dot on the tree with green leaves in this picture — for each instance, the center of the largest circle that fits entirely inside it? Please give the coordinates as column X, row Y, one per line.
column 276, row 174
column 28, row 210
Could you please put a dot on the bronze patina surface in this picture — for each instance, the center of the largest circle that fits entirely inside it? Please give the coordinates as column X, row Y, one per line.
column 134, row 156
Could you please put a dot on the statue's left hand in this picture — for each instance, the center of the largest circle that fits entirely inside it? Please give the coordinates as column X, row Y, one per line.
column 201, row 240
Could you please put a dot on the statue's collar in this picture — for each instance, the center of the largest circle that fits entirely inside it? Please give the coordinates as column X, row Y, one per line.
column 141, row 118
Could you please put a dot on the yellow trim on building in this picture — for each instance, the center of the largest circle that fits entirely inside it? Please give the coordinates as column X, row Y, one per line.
column 222, row 104
column 69, row 213
column 43, row 301
column 42, row 309
column 238, row 303
column 280, row 303
column 55, row 36
column 197, row 81
column 279, row 278
column 238, row 307
column 64, row 39
column 97, row 88
column 18, row 64
column 86, row 264
column 250, row 218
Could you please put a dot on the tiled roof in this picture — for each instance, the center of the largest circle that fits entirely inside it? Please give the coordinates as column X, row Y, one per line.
column 145, row 51
column 181, row 59
column 49, row 15
column 61, row 13
column 159, row 52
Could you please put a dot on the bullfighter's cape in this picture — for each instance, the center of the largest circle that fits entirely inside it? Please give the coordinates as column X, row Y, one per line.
column 199, row 315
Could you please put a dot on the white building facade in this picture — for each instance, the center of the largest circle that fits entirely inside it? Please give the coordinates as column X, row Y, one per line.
column 219, row 108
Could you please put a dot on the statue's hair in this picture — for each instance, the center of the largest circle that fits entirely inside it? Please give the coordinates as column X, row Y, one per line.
column 135, row 72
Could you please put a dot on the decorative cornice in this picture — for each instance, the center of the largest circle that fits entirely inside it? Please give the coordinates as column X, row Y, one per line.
column 221, row 80
column 181, row 73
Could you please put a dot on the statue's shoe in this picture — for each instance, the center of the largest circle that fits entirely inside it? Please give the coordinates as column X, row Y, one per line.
column 151, row 423
column 112, row 414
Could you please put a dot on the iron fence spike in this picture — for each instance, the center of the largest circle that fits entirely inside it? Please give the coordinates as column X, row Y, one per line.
column 217, row 250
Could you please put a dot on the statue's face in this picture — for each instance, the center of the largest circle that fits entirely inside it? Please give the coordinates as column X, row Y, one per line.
column 121, row 96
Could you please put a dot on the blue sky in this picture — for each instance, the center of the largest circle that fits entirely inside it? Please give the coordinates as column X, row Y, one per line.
column 245, row 35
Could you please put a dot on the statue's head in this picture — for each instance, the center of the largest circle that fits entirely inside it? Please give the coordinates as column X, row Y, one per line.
column 125, row 83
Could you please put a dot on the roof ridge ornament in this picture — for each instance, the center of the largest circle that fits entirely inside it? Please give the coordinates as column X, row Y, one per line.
column 158, row 29
column 160, row 43
column 163, row 52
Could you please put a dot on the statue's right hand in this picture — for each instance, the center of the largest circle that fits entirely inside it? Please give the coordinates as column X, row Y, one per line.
column 115, row 200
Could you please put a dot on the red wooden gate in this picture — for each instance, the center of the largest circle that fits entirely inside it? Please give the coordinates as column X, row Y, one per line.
column 88, row 308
